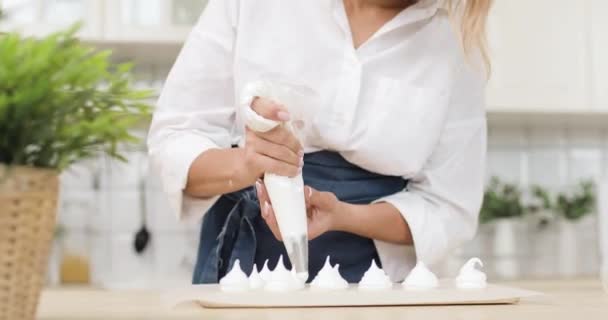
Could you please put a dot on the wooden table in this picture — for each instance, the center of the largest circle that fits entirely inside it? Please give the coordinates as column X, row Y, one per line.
column 564, row 299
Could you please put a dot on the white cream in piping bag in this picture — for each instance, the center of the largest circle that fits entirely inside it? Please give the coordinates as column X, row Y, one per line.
column 375, row 279
column 329, row 278
column 471, row 278
column 287, row 197
column 283, row 280
column 235, row 280
column 421, row 278
column 285, row 193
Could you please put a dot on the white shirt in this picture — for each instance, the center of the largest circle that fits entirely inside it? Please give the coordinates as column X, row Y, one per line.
column 405, row 103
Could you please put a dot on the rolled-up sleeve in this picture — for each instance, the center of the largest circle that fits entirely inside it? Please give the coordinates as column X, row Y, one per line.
column 196, row 109
column 441, row 203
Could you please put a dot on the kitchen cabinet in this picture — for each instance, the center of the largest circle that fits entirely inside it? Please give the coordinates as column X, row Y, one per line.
column 151, row 20
column 149, row 31
column 41, row 17
column 540, row 55
column 599, row 53
column 137, row 21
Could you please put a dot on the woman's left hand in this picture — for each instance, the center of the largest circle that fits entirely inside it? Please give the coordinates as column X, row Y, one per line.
column 323, row 209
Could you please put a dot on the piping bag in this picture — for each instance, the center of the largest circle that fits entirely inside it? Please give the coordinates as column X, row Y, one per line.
column 286, row 193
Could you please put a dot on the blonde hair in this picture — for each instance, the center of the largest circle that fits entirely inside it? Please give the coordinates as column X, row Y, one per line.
column 471, row 17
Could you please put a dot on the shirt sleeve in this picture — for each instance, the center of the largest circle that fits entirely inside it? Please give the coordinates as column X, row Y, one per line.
column 441, row 203
column 196, row 109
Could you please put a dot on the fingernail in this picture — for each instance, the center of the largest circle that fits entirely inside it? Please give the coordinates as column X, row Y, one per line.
column 298, row 124
column 301, row 162
column 283, row 116
column 309, row 191
column 301, row 153
column 258, row 186
column 266, row 207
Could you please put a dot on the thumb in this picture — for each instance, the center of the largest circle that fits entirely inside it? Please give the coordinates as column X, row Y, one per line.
column 270, row 109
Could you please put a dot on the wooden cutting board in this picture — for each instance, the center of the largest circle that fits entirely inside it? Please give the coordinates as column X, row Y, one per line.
column 210, row 296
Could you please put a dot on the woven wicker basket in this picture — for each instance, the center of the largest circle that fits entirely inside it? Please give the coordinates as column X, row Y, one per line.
column 28, row 205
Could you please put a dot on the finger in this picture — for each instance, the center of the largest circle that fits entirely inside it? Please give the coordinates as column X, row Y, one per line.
column 312, row 234
column 307, row 193
column 321, row 200
column 280, row 135
column 270, row 109
column 314, row 229
column 277, row 167
column 278, row 152
column 261, row 192
column 271, row 221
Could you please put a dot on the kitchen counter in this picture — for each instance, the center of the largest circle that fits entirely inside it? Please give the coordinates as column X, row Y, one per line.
column 563, row 299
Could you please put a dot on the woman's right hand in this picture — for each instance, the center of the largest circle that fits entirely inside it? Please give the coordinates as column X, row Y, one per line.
column 277, row 151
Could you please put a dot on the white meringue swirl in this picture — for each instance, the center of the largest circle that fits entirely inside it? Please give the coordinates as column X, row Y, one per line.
column 471, row 278
column 329, row 278
column 283, row 280
column 375, row 279
column 235, row 280
column 421, row 278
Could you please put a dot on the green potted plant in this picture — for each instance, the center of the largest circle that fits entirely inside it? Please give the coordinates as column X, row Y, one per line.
column 568, row 208
column 542, row 231
column 571, row 205
column 540, row 207
column 501, row 201
column 580, row 202
column 60, row 102
column 501, row 211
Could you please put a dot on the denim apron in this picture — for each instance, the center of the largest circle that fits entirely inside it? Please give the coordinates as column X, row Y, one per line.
column 233, row 228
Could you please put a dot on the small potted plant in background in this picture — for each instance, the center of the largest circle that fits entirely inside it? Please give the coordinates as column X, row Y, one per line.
column 60, row 102
column 502, row 210
column 543, row 231
column 569, row 208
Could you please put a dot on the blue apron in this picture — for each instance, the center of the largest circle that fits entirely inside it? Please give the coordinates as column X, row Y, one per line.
column 233, row 228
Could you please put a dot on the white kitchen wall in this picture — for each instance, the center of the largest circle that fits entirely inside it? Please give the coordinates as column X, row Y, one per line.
column 554, row 157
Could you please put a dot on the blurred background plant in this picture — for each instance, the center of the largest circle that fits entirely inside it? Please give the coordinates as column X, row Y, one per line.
column 540, row 207
column 501, row 200
column 571, row 205
column 504, row 200
column 62, row 101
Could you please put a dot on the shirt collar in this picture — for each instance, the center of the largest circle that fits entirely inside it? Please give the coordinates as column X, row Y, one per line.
column 421, row 10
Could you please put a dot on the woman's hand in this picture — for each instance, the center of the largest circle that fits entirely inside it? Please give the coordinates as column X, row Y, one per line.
column 324, row 211
column 277, row 151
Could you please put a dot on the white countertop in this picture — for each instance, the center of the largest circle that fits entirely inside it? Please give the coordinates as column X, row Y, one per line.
column 564, row 299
